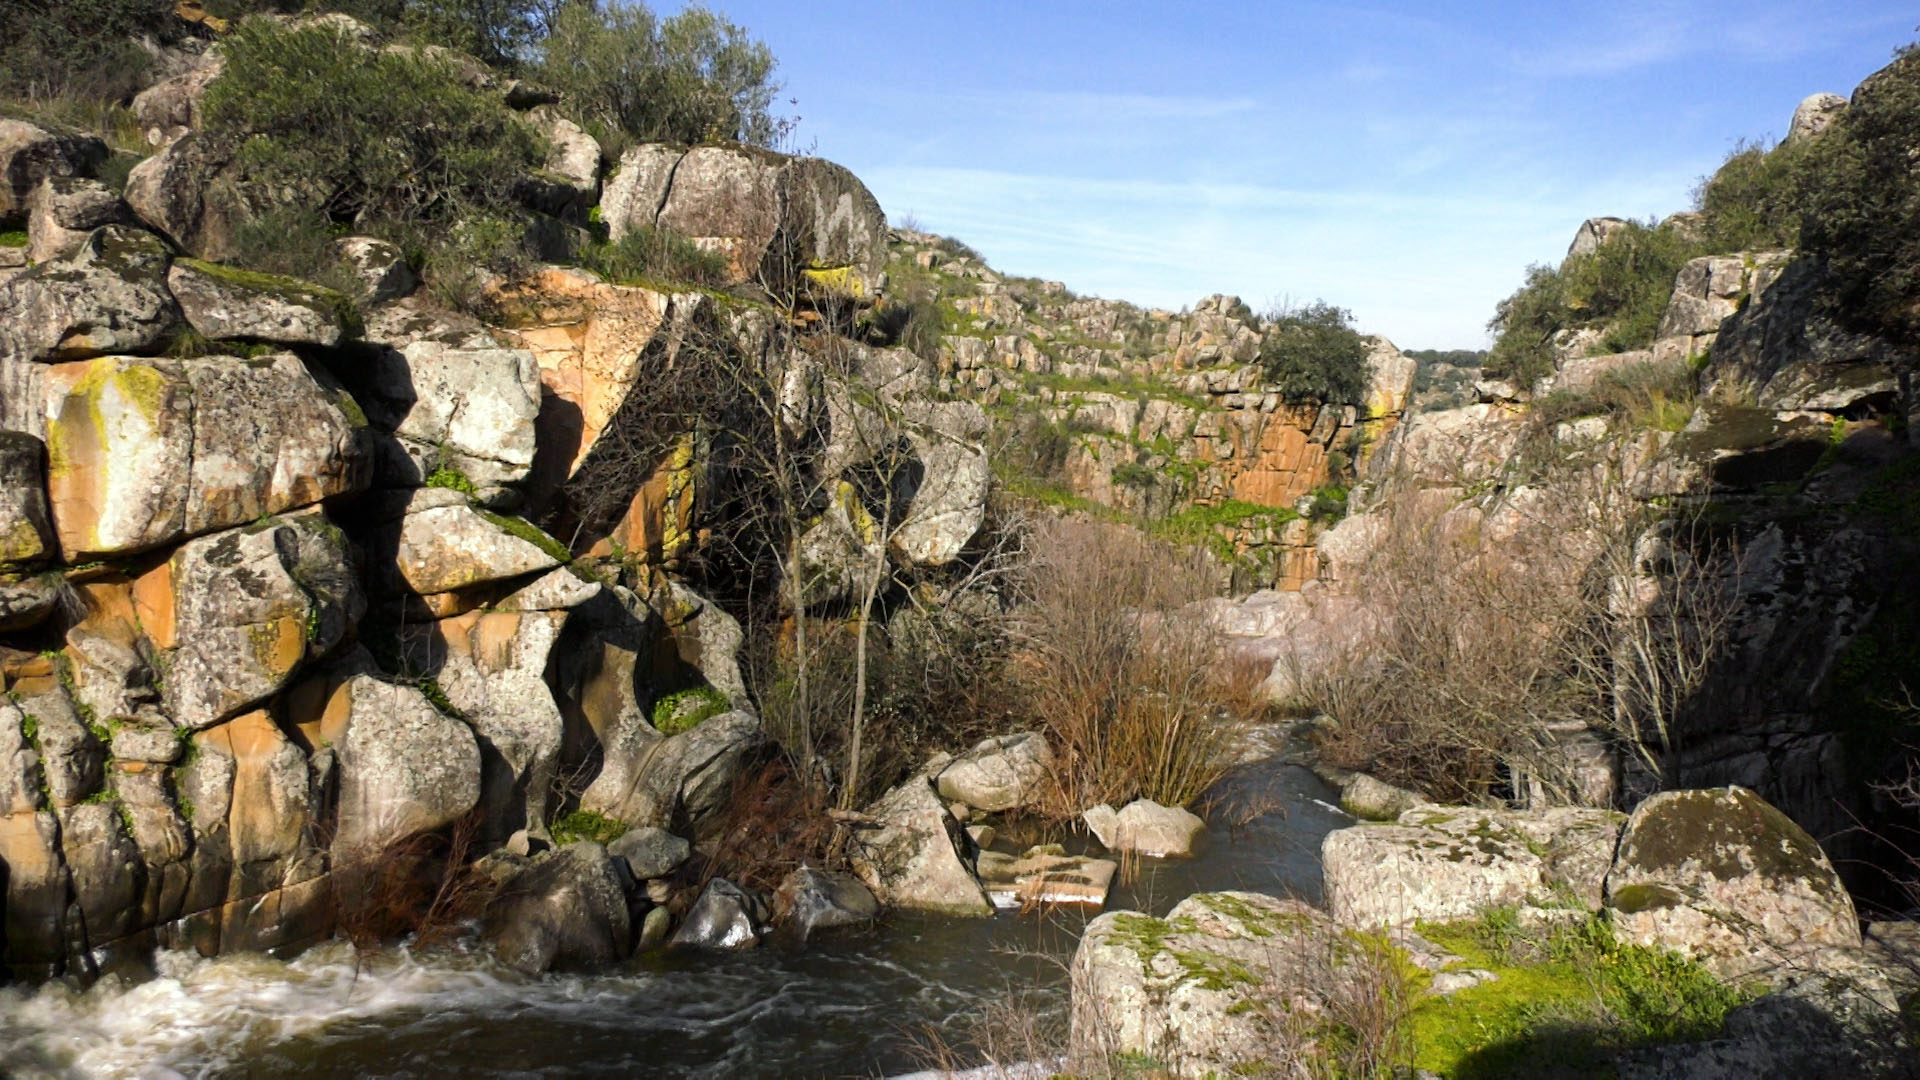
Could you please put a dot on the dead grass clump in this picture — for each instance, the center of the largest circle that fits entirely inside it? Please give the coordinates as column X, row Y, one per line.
column 422, row 887
column 1133, row 693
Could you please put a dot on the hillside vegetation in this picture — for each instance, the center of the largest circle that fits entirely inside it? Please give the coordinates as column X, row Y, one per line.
column 1846, row 196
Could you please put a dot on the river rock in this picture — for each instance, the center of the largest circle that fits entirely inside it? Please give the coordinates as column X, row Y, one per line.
column 1442, row 863
column 810, row 900
column 223, row 303
column 650, row 852
column 108, row 296
column 564, row 912
column 1721, row 876
column 1146, row 828
column 65, row 209
column 724, row 917
column 26, row 533
column 913, row 859
column 1371, row 799
column 1206, row 991
column 1000, row 773
column 1045, row 875
column 651, row 779
column 30, row 154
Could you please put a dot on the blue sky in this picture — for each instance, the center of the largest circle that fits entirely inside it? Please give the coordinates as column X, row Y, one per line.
column 1406, row 161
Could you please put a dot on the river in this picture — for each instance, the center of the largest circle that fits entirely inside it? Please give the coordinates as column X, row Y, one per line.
column 861, row 1003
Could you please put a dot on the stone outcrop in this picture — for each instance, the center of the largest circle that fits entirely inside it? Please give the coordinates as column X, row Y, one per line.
column 221, row 303
column 108, row 296
column 1724, row 878
column 778, row 222
column 30, row 154
column 1443, row 863
column 142, row 452
column 1210, row 990
column 64, row 211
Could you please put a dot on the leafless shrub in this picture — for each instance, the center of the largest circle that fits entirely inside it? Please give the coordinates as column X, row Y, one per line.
column 421, row 887
column 1132, row 696
column 1501, row 626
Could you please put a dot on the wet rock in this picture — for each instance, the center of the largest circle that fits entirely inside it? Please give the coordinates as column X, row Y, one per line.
column 724, row 917
column 912, row 860
column 650, row 852
column 223, row 303
column 1722, row 877
column 810, row 900
column 564, row 912
column 1000, row 773
column 30, row 154
column 1045, row 875
column 108, row 296
column 655, row 928
column 1147, row 828
column 1372, row 799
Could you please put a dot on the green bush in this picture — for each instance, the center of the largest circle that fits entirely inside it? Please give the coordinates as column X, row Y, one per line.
column 1315, row 354
column 365, row 136
column 629, row 76
column 1622, row 289
column 81, row 48
column 1861, row 212
column 1755, row 199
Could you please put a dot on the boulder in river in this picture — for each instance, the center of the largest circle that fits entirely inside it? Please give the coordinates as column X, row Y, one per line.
column 565, row 912
column 810, row 900
column 1147, row 828
column 912, row 859
column 725, row 916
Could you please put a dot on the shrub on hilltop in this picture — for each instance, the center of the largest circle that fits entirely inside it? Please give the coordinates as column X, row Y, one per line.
column 1313, row 353
column 364, row 134
column 629, row 76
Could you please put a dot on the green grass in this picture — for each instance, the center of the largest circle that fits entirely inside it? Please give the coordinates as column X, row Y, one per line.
column 587, row 825
column 1565, row 1001
column 13, row 238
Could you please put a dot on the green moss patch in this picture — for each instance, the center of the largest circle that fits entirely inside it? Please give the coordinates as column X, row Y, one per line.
column 1565, row 1000
column 688, row 709
column 587, row 825
column 13, row 238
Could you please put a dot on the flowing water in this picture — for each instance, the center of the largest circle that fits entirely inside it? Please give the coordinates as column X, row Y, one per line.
column 853, row 1004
